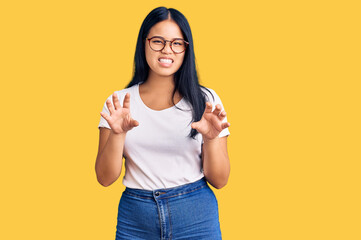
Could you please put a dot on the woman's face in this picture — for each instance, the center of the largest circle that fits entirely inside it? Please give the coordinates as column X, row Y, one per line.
column 167, row 29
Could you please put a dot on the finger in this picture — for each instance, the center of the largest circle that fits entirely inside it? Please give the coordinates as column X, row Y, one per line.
column 126, row 102
column 135, row 123
column 110, row 106
column 105, row 116
column 195, row 125
column 222, row 115
column 217, row 109
column 225, row 125
column 116, row 101
column 218, row 126
column 208, row 108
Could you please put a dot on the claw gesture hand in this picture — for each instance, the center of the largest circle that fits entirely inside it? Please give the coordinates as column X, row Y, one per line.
column 119, row 120
column 211, row 124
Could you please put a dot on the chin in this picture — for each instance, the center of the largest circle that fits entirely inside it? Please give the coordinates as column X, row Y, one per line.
column 165, row 73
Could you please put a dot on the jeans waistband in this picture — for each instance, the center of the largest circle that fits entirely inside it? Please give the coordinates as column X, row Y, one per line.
column 167, row 192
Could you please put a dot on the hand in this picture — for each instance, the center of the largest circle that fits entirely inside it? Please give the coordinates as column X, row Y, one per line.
column 119, row 120
column 211, row 124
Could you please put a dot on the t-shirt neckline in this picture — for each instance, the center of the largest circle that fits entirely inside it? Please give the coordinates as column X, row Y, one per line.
column 150, row 109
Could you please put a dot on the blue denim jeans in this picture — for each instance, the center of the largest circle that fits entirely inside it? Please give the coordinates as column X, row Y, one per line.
column 188, row 212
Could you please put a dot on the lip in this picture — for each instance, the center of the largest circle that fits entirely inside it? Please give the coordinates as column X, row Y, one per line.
column 166, row 65
column 166, row 58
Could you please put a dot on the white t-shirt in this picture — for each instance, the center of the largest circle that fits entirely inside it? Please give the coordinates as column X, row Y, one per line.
column 158, row 153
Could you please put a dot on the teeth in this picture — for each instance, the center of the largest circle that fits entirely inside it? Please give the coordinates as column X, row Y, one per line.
column 165, row 60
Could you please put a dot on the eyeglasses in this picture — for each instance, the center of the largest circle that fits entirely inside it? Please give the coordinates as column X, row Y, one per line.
column 158, row 44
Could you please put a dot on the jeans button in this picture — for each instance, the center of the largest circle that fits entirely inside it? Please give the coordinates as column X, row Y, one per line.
column 157, row 193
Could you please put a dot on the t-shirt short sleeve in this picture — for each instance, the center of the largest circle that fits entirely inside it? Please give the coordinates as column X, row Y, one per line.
column 217, row 100
column 103, row 122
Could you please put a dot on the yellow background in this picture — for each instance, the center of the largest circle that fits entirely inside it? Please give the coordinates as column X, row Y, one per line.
column 288, row 74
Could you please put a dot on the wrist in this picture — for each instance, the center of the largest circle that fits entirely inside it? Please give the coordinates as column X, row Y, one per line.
column 210, row 140
column 120, row 134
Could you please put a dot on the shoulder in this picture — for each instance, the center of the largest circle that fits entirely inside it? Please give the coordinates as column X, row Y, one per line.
column 210, row 94
column 121, row 93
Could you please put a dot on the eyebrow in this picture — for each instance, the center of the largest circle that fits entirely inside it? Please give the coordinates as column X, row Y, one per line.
column 172, row 38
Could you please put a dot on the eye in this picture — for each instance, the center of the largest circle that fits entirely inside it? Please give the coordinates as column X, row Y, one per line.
column 157, row 41
column 178, row 43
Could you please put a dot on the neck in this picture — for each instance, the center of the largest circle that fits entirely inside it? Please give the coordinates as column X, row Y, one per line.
column 159, row 84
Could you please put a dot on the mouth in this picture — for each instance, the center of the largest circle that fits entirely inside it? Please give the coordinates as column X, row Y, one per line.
column 165, row 60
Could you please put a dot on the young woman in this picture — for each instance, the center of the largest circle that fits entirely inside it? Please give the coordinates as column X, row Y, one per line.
column 172, row 133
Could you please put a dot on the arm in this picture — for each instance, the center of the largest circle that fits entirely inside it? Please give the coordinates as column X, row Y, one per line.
column 108, row 165
column 109, row 161
column 216, row 165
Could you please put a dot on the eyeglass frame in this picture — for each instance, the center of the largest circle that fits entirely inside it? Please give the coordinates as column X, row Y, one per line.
column 165, row 43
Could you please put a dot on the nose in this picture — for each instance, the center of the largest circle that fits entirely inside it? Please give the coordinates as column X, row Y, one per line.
column 167, row 48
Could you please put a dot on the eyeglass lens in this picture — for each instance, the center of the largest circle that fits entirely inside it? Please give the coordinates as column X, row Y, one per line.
column 158, row 44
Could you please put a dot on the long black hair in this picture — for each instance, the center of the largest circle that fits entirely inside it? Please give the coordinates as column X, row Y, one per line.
column 186, row 78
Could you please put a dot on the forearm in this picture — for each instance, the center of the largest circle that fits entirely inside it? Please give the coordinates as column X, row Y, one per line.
column 108, row 165
column 216, row 166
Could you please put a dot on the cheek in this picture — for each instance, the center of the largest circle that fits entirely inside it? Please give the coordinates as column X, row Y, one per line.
column 149, row 57
column 180, row 61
